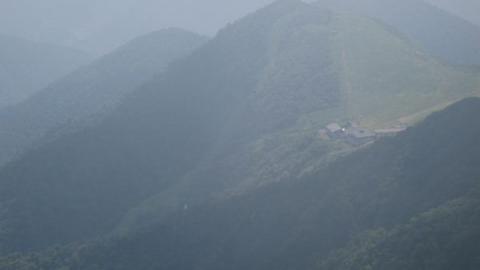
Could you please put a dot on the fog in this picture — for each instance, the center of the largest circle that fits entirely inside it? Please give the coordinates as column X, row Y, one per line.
column 239, row 134
column 467, row 9
column 99, row 25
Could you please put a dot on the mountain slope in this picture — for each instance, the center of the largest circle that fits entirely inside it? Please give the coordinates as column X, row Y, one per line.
column 27, row 67
column 386, row 71
column 248, row 115
column 173, row 123
column 406, row 88
column 292, row 225
column 441, row 34
column 467, row 9
column 90, row 93
column 442, row 238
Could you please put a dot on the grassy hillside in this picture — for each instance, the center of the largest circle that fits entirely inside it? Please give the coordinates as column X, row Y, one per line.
column 27, row 67
column 385, row 78
column 439, row 33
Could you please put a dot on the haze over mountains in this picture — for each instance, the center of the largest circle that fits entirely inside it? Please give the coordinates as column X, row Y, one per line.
column 176, row 151
column 87, row 95
column 296, row 224
column 440, row 33
column 467, row 9
column 27, row 67
column 98, row 26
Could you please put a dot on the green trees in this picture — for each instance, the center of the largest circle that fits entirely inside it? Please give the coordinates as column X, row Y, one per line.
column 232, row 132
column 384, row 207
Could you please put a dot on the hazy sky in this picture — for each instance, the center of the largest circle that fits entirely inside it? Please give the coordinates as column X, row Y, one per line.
column 99, row 25
column 468, row 9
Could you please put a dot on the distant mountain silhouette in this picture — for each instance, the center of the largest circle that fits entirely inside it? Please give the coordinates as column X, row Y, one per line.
column 26, row 67
column 89, row 94
column 440, row 33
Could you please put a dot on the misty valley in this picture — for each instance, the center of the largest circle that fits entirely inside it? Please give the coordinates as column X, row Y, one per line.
column 287, row 134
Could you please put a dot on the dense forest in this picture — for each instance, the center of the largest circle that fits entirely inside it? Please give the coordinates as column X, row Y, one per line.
column 415, row 220
column 329, row 135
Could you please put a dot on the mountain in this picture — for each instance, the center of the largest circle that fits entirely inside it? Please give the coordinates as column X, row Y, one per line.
column 467, row 9
column 91, row 92
column 121, row 157
column 403, row 202
column 26, row 67
column 438, row 32
column 99, row 26
column 445, row 237
column 241, row 112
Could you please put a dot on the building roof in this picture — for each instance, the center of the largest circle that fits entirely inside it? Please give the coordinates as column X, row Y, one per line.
column 360, row 133
column 391, row 130
column 334, row 127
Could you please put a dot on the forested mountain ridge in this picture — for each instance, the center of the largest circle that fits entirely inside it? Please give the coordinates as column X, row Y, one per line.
column 27, row 67
column 411, row 202
column 172, row 121
column 247, row 116
column 87, row 95
column 442, row 238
